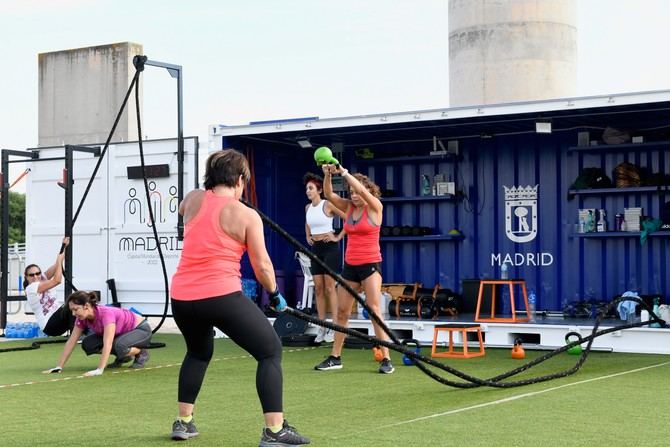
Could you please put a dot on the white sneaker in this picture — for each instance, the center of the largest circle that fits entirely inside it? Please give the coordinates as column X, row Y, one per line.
column 329, row 336
column 320, row 335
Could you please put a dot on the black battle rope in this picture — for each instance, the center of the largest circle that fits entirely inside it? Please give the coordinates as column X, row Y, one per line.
column 495, row 381
column 140, row 66
column 474, row 381
column 138, row 61
column 34, row 345
column 104, row 149
column 67, row 277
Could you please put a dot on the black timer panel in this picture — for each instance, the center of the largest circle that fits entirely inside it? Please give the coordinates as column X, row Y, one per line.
column 151, row 171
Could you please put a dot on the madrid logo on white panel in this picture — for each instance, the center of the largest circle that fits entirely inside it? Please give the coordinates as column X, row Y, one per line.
column 521, row 213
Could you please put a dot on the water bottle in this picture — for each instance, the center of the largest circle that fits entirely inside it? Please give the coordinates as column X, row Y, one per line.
column 644, row 315
column 590, row 225
column 601, row 227
column 531, row 305
column 505, row 297
column 425, row 185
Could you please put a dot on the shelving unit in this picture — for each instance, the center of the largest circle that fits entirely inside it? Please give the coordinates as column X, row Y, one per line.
column 408, row 207
column 601, row 191
column 620, row 198
column 620, row 254
column 419, row 199
column 609, row 148
column 404, row 174
column 607, row 234
column 429, row 238
column 406, row 159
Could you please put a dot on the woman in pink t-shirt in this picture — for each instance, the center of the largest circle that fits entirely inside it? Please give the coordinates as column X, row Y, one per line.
column 114, row 331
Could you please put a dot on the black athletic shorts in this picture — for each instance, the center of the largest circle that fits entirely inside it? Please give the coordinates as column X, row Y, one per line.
column 329, row 253
column 358, row 273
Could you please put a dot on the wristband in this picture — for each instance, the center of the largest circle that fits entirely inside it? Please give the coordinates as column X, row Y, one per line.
column 277, row 301
column 344, row 172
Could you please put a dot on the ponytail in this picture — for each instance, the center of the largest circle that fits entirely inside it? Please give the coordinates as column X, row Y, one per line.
column 82, row 297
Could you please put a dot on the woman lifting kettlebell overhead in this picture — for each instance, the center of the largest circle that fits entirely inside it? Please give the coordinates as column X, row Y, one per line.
column 362, row 258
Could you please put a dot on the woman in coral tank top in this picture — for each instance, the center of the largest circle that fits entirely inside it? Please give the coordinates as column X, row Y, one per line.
column 362, row 257
column 206, row 292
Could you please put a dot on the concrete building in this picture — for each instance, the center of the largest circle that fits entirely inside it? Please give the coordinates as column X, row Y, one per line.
column 504, row 51
column 81, row 91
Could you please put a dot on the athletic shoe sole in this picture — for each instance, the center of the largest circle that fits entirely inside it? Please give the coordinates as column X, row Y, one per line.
column 183, row 437
column 278, row 444
column 329, row 368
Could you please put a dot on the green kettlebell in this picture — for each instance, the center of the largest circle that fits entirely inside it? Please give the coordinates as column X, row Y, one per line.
column 577, row 349
column 324, row 156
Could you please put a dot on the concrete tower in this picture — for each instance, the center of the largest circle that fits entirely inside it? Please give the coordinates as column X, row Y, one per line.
column 511, row 50
column 81, row 91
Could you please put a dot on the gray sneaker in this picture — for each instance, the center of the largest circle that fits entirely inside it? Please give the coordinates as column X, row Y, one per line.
column 182, row 431
column 140, row 359
column 330, row 363
column 286, row 437
column 386, row 367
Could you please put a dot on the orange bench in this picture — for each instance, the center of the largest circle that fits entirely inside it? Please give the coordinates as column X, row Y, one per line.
column 463, row 329
column 504, row 282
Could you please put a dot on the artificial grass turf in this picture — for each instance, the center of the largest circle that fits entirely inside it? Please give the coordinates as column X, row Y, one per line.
column 354, row 406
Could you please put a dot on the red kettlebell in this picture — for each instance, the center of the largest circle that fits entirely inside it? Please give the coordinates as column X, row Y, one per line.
column 517, row 351
column 379, row 355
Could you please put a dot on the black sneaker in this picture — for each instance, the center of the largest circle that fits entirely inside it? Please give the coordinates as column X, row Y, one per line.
column 118, row 363
column 286, row 437
column 386, row 367
column 140, row 359
column 182, row 431
column 330, row 363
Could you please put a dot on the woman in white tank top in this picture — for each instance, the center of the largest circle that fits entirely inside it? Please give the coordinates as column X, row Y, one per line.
column 320, row 235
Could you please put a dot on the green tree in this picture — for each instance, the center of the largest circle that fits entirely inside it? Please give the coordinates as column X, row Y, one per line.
column 17, row 217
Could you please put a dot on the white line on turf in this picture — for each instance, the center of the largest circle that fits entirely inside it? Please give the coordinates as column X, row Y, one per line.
column 505, row 400
column 129, row 370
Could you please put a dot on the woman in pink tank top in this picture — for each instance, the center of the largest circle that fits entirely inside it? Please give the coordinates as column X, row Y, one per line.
column 206, row 292
column 362, row 257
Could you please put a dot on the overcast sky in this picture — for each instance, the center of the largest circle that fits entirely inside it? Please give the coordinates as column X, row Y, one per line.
column 268, row 59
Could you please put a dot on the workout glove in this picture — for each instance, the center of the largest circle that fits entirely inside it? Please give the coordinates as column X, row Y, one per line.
column 277, row 301
column 55, row 370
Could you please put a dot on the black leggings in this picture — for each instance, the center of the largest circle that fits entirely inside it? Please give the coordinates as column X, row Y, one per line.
column 241, row 320
column 140, row 337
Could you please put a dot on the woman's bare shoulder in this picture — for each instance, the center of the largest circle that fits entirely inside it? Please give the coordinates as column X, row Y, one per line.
column 196, row 193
